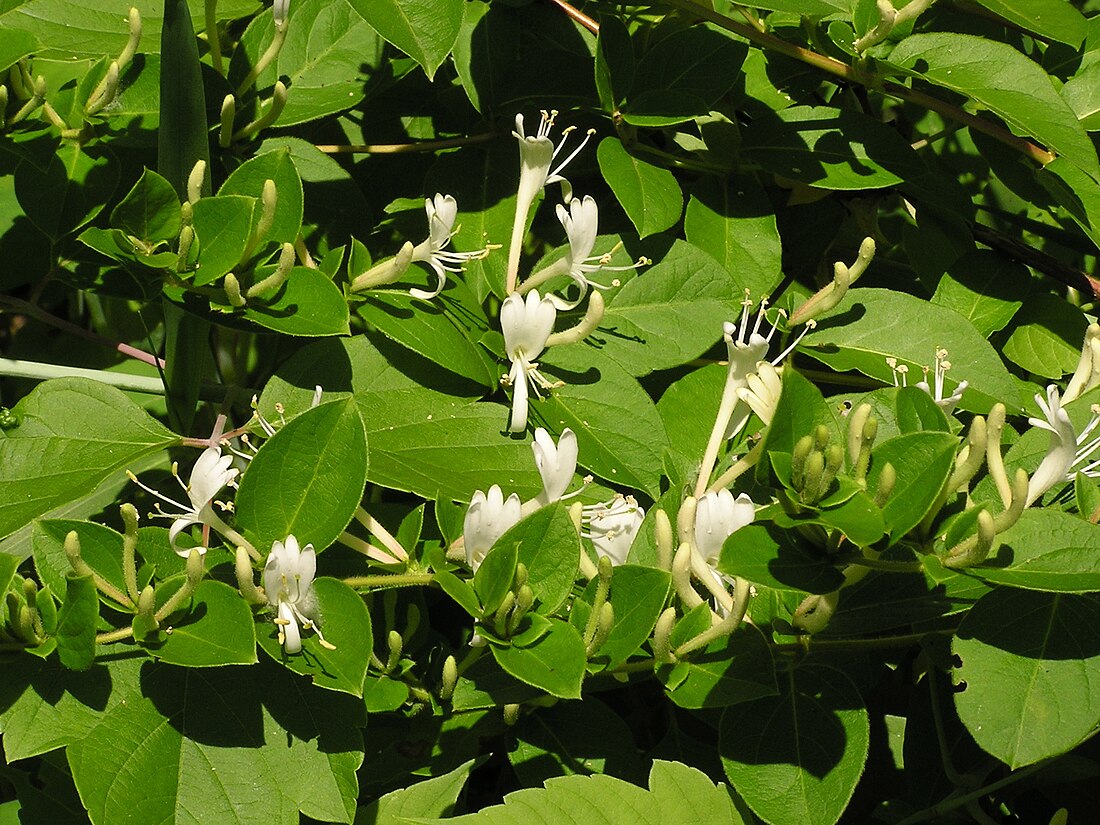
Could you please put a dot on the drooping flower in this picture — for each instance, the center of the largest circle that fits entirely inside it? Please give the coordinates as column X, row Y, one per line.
column 212, row 472
column 1068, row 453
column 487, row 519
column 442, row 212
column 718, row 515
column 762, row 391
column 288, row 583
column 526, row 322
column 581, row 224
column 613, row 525
column 556, row 463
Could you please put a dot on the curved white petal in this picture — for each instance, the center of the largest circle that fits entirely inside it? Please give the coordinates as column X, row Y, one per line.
column 292, row 636
column 178, row 526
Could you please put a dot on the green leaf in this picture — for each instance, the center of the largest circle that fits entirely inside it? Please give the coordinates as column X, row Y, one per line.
column 1046, row 550
column 619, row 433
column 100, row 547
column 308, row 305
column 326, row 47
column 734, row 221
column 182, row 139
column 1076, row 191
column 427, row 330
column 421, row 440
column 1049, row 18
column 923, row 461
column 614, row 64
column 345, row 622
column 307, row 480
column 1082, row 93
column 683, row 75
column 217, row 630
column 222, row 225
column 150, row 211
column 678, row 795
column 649, row 194
column 870, row 325
column 984, row 288
column 45, row 706
column 68, row 192
column 830, row 148
column 775, row 558
column 1027, row 660
column 555, row 663
column 670, row 314
column 550, row 548
column 424, row 29
column 811, row 741
column 15, row 45
column 497, row 571
column 74, row 435
column 435, row 797
column 638, row 595
column 574, row 738
column 275, row 745
column 801, row 409
column 1046, row 336
column 249, row 178
column 1003, row 80
column 460, row 591
column 728, row 671
column 76, row 623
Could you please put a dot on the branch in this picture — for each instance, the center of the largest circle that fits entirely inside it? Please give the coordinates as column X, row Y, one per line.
column 850, row 74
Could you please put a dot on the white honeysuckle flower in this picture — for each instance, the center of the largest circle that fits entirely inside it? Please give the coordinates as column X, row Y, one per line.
column 537, row 152
column 442, row 210
column 1087, row 374
column 762, row 391
column 280, row 10
column 556, row 463
column 613, row 525
column 288, row 583
column 944, row 402
column 718, row 516
column 1068, row 453
column 212, row 472
column 527, row 322
column 487, row 519
column 580, row 220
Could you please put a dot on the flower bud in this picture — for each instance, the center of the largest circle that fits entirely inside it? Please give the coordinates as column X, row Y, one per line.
column 886, row 481
column 662, row 649
column 395, row 644
column 662, row 528
column 196, row 181
column 511, row 714
column 450, row 679
column 605, row 622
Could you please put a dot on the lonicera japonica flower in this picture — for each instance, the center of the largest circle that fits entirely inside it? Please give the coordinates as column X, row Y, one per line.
column 487, row 519
column 527, row 322
column 212, row 472
column 556, row 463
column 288, row 583
column 442, row 211
column 1067, row 449
column 613, row 525
column 718, row 515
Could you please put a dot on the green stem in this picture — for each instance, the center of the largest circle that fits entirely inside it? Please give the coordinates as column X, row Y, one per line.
column 396, row 580
column 938, row 810
column 855, row 645
column 887, row 565
column 114, row 635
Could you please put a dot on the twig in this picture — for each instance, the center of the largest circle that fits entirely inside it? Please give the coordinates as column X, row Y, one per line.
column 576, row 15
column 1047, row 264
column 39, row 314
column 404, row 148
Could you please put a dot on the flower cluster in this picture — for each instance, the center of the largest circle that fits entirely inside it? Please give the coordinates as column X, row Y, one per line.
column 611, row 525
column 288, row 582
